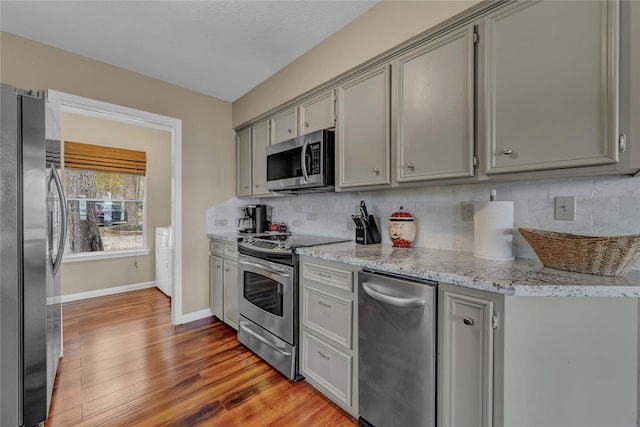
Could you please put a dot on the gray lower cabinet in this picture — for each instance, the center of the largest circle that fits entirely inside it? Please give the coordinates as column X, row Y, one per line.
column 434, row 109
column 531, row 361
column 329, row 330
column 363, row 130
column 548, row 85
column 223, row 281
column 466, row 325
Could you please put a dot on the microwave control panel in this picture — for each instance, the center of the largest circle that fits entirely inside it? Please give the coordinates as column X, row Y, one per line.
column 314, row 153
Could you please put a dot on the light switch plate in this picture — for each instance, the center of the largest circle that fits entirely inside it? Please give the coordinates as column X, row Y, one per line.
column 467, row 211
column 565, row 208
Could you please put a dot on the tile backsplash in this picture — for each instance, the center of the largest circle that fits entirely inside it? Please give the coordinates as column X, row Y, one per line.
column 605, row 206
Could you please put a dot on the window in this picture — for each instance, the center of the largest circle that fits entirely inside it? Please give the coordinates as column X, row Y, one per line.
column 105, row 190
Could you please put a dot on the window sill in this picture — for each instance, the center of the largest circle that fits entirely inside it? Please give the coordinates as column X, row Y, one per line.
column 92, row 256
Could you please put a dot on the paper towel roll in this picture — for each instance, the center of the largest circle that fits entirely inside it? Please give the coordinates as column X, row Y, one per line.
column 493, row 230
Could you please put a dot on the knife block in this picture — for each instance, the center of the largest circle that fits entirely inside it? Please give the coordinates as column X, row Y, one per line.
column 368, row 235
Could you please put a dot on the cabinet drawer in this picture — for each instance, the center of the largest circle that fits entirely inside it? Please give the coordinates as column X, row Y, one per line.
column 216, row 247
column 328, row 367
column 230, row 250
column 328, row 315
column 340, row 279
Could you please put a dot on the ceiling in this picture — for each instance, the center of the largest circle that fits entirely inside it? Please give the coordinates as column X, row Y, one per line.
column 219, row 48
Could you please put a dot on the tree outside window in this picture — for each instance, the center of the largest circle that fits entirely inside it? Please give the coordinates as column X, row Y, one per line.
column 106, row 194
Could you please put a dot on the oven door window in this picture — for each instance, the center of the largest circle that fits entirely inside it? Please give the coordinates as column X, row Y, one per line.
column 263, row 292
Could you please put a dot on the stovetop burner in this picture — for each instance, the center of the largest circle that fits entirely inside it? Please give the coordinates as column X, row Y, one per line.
column 280, row 244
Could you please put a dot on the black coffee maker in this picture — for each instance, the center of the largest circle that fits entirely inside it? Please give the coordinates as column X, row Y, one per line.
column 256, row 219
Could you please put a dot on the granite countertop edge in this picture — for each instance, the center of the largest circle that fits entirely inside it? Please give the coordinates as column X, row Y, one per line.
column 522, row 277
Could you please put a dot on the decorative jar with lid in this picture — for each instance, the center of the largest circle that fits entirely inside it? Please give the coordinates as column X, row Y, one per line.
column 402, row 229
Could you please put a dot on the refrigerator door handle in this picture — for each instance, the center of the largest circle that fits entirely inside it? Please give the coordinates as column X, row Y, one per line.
column 63, row 212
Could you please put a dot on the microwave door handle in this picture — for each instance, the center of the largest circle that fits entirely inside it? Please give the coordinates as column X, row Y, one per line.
column 303, row 160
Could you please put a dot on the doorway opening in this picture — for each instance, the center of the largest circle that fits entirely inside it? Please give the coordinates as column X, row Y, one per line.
column 66, row 103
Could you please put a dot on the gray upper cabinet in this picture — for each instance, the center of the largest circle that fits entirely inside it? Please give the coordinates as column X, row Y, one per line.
column 284, row 125
column 548, row 85
column 243, row 163
column 260, row 138
column 317, row 113
column 435, row 109
column 363, row 130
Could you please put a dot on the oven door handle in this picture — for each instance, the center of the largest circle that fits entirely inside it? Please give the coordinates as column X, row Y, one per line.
column 264, row 267
column 243, row 326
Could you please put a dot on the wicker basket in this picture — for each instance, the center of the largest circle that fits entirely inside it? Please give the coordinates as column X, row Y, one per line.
column 604, row 256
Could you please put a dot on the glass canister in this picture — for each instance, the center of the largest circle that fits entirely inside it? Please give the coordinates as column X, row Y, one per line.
column 402, row 229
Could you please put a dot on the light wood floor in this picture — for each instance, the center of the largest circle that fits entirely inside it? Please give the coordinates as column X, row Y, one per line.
column 124, row 364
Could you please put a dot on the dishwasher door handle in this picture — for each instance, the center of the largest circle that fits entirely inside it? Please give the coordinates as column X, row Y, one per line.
column 391, row 300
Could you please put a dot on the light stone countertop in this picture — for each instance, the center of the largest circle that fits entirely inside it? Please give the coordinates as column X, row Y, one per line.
column 230, row 236
column 521, row 277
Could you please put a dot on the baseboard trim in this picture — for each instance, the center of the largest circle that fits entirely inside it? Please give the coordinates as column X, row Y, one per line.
column 107, row 291
column 196, row 315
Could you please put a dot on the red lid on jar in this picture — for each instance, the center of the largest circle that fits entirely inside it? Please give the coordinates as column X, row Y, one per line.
column 402, row 215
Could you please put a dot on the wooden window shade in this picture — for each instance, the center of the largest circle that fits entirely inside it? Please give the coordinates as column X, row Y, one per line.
column 97, row 158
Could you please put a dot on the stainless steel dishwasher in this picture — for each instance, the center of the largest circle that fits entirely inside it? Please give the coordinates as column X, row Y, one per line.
column 397, row 350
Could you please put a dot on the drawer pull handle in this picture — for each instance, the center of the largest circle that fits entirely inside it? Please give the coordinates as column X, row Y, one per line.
column 324, row 356
column 326, row 276
column 289, row 130
column 467, row 321
column 411, row 166
column 227, row 269
column 218, row 267
column 507, row 151
column 306, row 124
column 324, row 304
column 376, row 171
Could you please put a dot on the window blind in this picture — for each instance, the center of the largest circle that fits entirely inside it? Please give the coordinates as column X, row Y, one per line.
column 97, row 158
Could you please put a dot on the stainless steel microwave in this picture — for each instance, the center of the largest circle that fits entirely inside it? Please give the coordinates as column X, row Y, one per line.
column 302, row 164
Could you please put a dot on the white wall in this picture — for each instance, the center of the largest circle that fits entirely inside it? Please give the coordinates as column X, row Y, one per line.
column 605, row 206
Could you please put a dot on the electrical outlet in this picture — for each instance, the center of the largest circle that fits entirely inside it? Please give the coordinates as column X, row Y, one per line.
column 565, row 208
column 467, row 211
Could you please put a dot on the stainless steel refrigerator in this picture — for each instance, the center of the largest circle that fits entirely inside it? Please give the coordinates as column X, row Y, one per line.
column 32, row 237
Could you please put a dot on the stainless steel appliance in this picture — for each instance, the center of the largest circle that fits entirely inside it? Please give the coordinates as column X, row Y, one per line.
column 268, row 296
column 302, row 164
column 32, row 238
column 256, row 219
column 397, row 350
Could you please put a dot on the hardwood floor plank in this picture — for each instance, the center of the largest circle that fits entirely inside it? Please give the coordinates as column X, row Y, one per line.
column 124, row 364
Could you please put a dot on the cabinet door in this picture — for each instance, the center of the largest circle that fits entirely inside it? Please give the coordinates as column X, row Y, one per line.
column 230, row 293
column 215, row 286
column 243, row 163
column 435, row 110
column 317, row 113
column 549, row 85
column 260, row 139
column 465, row 360
column 363, row 130
column 284, row 126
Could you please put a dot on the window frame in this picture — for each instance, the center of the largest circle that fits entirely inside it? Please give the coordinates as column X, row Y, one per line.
column 123, row 253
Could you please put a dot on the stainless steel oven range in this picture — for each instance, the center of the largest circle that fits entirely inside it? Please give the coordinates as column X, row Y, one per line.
column 268, row 296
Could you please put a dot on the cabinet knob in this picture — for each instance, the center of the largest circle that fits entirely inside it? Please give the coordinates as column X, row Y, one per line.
column 507, row 151
column 257, row 185
column 246, row 186
column 306, row 124
column 376, row 171
column 218, row 267
column 227, row 269
column 467, row 321
column 289, row 130
column 411, row 166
